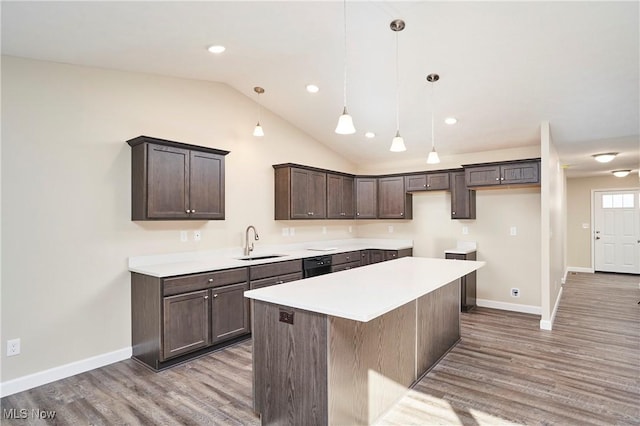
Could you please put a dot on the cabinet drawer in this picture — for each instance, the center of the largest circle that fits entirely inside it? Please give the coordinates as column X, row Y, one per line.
column 275, row 269
column 266, row 282
column 340, row 258
column 345, row 266
column 194, row 282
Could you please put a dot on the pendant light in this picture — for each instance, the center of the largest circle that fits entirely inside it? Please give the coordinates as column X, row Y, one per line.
column 257, row 131
column 433, row 155
column 397, row 144
column 345, row 122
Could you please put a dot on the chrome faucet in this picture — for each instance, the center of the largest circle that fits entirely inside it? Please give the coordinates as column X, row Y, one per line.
column 248, row 248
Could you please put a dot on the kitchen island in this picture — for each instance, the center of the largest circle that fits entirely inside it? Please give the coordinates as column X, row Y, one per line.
column 343, row 348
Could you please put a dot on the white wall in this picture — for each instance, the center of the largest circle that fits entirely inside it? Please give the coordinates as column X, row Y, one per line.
column 553, row 218
column 66, row 229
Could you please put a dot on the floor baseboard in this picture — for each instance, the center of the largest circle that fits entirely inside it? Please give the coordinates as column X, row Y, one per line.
column 515, row 307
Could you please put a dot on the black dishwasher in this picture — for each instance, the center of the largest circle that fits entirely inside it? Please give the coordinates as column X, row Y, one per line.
column 317, row 265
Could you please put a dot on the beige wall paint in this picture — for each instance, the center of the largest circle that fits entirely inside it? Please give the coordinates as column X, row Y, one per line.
column 66, row 175
column 579, row 239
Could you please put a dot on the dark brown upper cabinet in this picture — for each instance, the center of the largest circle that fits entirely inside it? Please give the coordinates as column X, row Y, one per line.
column 504, row 173
column 427, row 182
column 463, row 199
column 300, row 193
column 173, row 180
column 393, row 201
column 340, row 197
column 366, row 198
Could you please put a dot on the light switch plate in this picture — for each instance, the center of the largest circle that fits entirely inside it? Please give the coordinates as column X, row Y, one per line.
column 465, row 230
column 285, row 232
column 391, row 229
column 513, row 231
column 292, row 231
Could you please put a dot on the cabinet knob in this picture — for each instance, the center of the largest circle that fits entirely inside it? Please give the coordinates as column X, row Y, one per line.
column 425, row 185
column 215, row 295
column 357, row 214
column 280, row 282
column 193, row 210
column 497, row 178
column 206, row 297
column 188, row 211
column 453, row 212
column 348, row 258
column 347, row 268
column 501, row 178
column 312, row 213
column 210, row 280
column 401, row 214
column 428, row 186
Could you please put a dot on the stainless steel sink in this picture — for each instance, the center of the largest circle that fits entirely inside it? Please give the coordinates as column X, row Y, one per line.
column 266, row 256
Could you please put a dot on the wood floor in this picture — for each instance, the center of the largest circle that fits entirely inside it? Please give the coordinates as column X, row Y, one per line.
column 504, row 371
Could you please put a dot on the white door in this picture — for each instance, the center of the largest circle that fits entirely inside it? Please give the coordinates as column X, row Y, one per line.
column 617, row 231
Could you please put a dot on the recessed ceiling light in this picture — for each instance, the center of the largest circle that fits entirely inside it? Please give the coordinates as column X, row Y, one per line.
column 621, row 173
column 605, row 158
column 312, row 88
column 450, row 120
column 369, row 135
column 217, row 49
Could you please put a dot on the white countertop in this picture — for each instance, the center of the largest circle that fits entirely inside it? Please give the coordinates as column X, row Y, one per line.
column 168, row 265
column 362, row 294
column 463, row 247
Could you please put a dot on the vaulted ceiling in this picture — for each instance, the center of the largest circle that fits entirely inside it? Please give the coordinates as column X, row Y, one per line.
column 504, row 66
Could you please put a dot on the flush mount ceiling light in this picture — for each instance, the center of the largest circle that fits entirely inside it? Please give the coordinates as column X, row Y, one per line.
column 216, row 49
column 605, row 158
column 621, row 173
column 257, row 131
column 433, row 155
column 345, row 122
column 450, row 120
column 369, row 135
column 312, row 88
column 397, row 144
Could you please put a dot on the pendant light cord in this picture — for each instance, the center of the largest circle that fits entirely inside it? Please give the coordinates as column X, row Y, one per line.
column 433, row 108
column 345, row 51
column 397, row 88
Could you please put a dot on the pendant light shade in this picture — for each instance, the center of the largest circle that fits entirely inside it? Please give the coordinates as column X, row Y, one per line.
column 397, row 143
column 257, row 131
column 345, row 122
column 433, row 157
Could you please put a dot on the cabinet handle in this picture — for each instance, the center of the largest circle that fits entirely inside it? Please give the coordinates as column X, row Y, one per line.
column 312, row 213
column 210, row 280
column 215, row 295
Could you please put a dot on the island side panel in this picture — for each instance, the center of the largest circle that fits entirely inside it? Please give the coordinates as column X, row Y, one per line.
column 438, row 319
column 289, row 366
column 371, row 365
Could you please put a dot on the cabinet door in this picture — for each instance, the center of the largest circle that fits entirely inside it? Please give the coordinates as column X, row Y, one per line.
column 463, row 200
column 518, row 173
column 376, row 256
column 437, row 181
column 334, row 197
column 416, row 182
column 393, row 200
column 167, row 182
column 365, row 257
column 348, row 200
column 229, row 312
column 300, row 193
column 186, row 323
column 318, row 195
column 482, row 175
column 366, row 198
column 206, row 186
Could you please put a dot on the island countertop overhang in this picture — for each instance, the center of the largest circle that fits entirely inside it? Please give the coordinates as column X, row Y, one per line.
column 365, row 293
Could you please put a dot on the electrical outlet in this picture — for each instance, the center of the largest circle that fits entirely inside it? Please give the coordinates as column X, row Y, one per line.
column 292, row 231
column 285, row 232
column 183, row 236
column 390, row 229
column 350, row 229
column 515, row 292
column 324, row 229
column 465, row 230
column 513, row 231
column 197, row 235
column 13, row 347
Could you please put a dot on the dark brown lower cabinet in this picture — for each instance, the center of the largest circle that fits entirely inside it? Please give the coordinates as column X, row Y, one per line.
column 467, row 282
column 229, row 312
column 186, row 323
column 377, row 255
column 177, row 318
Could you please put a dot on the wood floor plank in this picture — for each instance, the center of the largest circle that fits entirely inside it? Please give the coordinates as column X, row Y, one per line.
column 505, row 370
